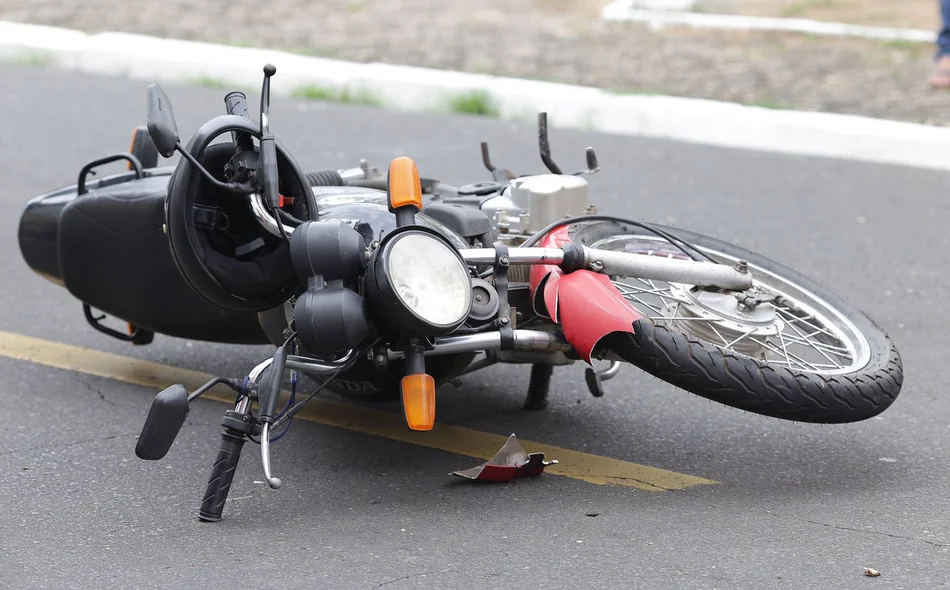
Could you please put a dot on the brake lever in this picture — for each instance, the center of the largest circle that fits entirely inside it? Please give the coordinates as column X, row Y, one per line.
column 268, row 394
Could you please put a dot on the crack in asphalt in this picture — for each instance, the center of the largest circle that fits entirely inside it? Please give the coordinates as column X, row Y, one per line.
column 66, row 445
column 406, row 577
column 393, row 581
column 853, row 530
column 95, row 390
column 646, row 483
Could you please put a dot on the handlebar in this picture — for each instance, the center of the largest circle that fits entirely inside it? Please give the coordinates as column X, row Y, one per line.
column 236, row 104
column 623, row 264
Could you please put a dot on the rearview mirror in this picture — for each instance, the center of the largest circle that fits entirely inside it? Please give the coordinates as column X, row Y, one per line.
column 164, row 421
column 161, row 121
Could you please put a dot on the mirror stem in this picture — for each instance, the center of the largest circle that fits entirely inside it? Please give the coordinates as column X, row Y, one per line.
column 243, row 189
column 268, row 171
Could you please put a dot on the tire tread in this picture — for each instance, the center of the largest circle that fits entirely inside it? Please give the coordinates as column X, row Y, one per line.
column 747, row 384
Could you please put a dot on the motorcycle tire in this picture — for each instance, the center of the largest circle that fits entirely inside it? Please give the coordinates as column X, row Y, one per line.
column 682, row 354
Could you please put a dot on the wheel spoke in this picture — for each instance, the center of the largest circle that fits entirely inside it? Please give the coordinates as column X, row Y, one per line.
column 642, row 302
column 837, row 350
column 803, row 332
column 802, row 362
column 664, row 294
column 811, row 344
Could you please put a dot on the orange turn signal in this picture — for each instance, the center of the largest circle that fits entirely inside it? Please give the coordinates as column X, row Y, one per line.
column 403, row 185
column 418, row 401
column 135, row 136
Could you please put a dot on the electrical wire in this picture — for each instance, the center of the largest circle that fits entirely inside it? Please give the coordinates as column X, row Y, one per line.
column 678, row 242
column 290, row 400
column 334, row 375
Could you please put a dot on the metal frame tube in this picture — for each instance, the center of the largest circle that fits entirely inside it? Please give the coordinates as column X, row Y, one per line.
column 526, row 340
column 264, row 217
column 515, row 255
column 309, row 365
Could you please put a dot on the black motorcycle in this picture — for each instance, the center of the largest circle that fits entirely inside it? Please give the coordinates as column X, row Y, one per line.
column 382, row 287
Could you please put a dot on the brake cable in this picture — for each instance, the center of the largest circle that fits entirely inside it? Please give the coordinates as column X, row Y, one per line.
column 678, row 242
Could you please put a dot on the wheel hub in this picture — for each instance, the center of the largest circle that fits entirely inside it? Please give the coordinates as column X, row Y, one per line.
column 720, row 317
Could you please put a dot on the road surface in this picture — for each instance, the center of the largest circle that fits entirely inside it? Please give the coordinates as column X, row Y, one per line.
column 796, row 506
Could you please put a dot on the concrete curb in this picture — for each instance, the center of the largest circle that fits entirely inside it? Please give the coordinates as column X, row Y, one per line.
column 628, row 10
column 418, row 89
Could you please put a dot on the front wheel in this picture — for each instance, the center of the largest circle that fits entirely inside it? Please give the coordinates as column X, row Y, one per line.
column 789, row 348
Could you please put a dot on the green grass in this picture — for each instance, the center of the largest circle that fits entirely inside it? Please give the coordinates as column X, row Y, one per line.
column 767, row 103
column 38, row 59
column 803, row 6
column 906, row 45
column 314, row 92
column 346, row 95
column 475, row 102
column 209, row 82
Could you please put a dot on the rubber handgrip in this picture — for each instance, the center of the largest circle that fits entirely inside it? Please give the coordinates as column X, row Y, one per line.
column 222, row 474
column 236, row 103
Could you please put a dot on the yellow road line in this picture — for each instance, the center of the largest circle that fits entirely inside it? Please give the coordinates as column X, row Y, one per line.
column 463, row 441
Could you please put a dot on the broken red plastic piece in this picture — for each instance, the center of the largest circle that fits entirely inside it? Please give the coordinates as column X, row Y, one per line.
column 510, row 462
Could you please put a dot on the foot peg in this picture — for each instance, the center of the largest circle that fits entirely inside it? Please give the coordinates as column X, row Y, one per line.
column 596, row 378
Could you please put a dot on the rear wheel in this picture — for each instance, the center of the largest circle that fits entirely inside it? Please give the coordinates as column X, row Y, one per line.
column 789, row 348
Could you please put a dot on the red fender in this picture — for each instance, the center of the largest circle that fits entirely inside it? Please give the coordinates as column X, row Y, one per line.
column 586, row 304
column 540, row 272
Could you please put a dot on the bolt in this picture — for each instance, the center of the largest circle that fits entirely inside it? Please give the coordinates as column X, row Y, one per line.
column 374, row 245
column 504, row 321
column 597, row 266
column 742, row 266
column 504, row 260
column 479, row 297
column 380, row 359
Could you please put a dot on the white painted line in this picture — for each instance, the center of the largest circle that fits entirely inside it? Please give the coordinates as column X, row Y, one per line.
column 419, row 89
column 627, row 10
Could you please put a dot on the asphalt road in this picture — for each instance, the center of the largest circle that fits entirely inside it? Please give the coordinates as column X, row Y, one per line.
column 797, row 506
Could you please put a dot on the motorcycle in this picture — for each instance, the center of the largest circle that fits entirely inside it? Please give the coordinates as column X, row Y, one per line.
column 383, row 286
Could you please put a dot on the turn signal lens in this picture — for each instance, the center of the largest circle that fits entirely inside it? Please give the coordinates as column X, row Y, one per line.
column 135, row 136
column 403, row 184
column 418, row 401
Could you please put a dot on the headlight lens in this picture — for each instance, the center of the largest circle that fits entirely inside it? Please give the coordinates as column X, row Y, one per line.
column 430, row 279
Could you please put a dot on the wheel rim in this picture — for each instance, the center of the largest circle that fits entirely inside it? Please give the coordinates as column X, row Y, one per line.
column 799, row 331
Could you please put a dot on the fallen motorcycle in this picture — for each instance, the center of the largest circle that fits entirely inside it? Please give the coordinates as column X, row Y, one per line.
column 382, row 287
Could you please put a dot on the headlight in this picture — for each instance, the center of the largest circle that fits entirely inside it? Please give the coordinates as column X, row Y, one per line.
column 421, row 283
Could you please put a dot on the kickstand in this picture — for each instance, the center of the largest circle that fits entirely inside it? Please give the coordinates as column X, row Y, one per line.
column 538, row 386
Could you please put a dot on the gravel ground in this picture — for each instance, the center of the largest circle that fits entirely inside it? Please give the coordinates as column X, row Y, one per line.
column 547, row 39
